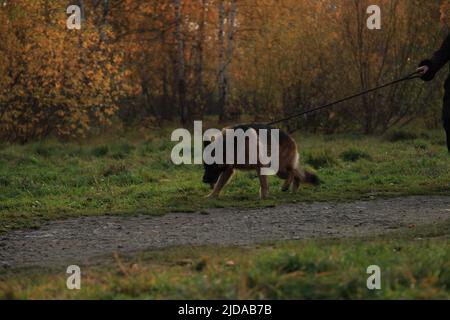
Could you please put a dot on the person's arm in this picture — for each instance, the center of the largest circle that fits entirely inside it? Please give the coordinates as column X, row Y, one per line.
column 429, row 68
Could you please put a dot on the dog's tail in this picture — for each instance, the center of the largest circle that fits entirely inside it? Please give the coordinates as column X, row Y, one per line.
column 310, row 177
column 304, row 175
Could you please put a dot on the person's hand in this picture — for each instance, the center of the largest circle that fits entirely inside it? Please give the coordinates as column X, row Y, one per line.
column 423, row 70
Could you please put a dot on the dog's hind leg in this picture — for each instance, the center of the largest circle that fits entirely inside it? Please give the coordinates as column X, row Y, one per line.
column 287, row 184
column 297, row 180
column 223, row 180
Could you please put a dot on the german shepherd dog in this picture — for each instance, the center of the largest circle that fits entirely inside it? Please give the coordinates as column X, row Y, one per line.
column 218, row 175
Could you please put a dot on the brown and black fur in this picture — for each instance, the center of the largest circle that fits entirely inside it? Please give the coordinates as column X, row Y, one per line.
column 217, row 176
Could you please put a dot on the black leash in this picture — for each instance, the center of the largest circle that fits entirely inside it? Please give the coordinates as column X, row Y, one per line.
column 413, row 75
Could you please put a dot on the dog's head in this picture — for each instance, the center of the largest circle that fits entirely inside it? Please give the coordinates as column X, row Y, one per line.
column 212, row 171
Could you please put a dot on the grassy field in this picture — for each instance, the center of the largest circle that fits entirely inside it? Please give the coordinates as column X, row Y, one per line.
column 133, row 174
column 415, row 264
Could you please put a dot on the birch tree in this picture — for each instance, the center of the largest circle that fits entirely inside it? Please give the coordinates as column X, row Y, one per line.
column 225, row 53
column 200, row 57
column 222, row 63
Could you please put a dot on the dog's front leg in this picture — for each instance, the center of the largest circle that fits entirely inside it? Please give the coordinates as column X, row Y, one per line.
column 264, row 190
column 223, row 180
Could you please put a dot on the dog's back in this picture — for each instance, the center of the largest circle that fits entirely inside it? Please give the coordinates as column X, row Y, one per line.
column 287, row 148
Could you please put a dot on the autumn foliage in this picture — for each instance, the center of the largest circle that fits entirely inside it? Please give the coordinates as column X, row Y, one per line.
column 145, row 62
column 55, row 80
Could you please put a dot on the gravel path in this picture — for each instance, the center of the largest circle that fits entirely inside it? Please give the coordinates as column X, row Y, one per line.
column 81, row 241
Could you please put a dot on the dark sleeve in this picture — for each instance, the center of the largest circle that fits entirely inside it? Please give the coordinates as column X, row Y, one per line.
column 439, row 59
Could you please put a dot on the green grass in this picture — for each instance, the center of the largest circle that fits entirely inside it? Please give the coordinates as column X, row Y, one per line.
column 400, row 135
column 415, row 264
column 51, row 180
column 354, row 154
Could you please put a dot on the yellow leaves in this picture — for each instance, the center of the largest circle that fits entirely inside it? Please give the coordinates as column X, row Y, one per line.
column 57, row 85
column 117, row 59
column 109, row 67
column 89, row 74
column 127, row 73
column 109, row 111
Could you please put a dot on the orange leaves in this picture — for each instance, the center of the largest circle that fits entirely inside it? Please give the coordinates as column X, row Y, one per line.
column 56, row 81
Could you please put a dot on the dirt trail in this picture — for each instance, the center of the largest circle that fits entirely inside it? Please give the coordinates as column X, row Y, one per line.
column 81, row 241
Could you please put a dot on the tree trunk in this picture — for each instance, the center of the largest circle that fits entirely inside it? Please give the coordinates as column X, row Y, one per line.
column 230, row 48
column 222, row 63
column 199, row 67
column 104, row 20
column 181, row 80
column 82, row 10
column 105, row 11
